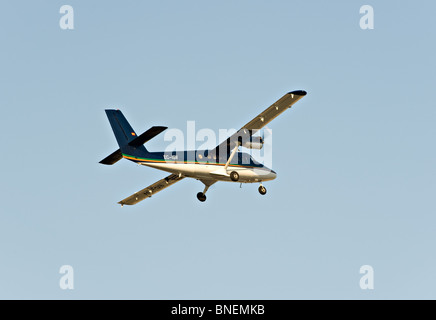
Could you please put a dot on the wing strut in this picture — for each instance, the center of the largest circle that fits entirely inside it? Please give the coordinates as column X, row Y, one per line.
column 231, row 156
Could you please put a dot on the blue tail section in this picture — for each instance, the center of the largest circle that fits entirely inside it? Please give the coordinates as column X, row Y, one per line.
column 127, row 139
column 123, row 131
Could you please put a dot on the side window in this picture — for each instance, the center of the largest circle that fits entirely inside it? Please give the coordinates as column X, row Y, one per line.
column 245, row 159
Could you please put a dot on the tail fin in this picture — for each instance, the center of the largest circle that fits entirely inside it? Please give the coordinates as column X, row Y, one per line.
column 123, row 131
column 126, row 137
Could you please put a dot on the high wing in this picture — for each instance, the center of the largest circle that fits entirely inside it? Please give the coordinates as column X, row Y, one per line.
column 264, row 118
column 151, row 190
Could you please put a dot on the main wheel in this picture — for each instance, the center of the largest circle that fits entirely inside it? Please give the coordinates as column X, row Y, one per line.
column 234, row 176
column 201, row 196
column 262, row 190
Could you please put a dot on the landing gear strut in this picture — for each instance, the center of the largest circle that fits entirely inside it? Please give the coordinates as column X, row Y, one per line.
column 202, row 195
column 262, row 190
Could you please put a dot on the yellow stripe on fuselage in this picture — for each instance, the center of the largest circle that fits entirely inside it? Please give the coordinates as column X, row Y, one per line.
column 187, row 162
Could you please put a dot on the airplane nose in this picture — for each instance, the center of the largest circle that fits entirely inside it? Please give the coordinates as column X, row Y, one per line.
column 265, row 174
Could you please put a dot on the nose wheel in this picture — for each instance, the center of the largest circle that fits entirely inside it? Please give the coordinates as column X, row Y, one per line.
column 262, row 190
column 201, row 196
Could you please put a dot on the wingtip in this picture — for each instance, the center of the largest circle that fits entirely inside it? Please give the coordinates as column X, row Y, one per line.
column 298, row 92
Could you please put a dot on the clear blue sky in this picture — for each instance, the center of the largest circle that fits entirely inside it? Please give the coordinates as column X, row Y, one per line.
column 355, row 158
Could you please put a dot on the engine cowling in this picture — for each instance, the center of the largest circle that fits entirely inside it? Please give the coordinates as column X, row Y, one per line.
column 255, row 143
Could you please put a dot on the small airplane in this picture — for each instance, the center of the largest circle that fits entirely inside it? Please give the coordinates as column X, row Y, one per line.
column 223, row 163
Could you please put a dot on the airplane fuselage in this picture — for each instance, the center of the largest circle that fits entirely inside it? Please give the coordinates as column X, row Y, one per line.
column 199, row 165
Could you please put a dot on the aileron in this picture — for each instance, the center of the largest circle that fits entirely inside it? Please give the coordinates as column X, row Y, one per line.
column 151, row 190
column 274, row 110
column 269, row 114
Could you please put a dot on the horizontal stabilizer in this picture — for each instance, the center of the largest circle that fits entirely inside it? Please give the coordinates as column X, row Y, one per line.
column 146, row 136
column 117, row 155
column 112, row 158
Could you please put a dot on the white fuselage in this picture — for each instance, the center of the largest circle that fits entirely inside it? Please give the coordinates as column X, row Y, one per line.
column 215, row 172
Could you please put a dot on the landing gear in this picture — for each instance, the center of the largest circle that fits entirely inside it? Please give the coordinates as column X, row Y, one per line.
column 234, row 176
column 201, row 196
column 262, row 190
